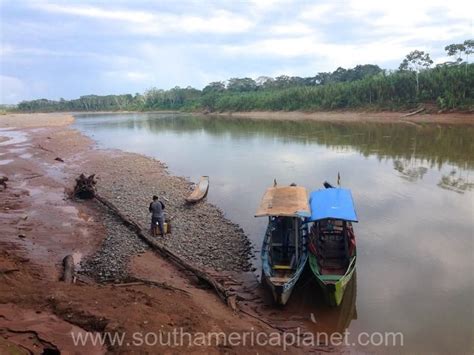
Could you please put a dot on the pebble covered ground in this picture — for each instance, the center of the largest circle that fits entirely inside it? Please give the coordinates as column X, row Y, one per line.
column 110, row 262
column 200, row 232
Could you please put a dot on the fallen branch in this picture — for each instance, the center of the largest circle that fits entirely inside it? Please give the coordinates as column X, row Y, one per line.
column 414, row 112
column 225, row 294
column 137, row 282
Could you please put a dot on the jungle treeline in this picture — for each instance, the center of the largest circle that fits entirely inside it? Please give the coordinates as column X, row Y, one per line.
column 449, row 86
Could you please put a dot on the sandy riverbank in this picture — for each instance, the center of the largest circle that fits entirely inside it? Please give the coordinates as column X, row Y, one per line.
column 40, row 225
column 352, row 116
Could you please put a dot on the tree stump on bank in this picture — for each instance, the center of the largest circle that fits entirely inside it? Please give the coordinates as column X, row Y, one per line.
column 85, row 187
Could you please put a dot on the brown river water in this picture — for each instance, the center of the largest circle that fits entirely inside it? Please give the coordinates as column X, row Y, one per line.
column 413, row 187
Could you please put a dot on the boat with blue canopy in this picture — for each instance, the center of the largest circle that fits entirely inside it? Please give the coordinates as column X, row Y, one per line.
column 284, row 251
column 332, row 244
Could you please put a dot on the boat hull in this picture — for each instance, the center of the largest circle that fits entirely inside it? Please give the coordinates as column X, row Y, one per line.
column 282, row 292
column 333, row 286
column 282, row 289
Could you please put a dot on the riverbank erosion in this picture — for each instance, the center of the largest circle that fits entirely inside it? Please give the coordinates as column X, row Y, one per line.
column 122, row 285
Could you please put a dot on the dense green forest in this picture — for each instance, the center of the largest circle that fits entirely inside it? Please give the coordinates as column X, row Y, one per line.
column 449, row 85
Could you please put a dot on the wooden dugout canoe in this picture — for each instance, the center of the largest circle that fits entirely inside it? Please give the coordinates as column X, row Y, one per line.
column 200, row 191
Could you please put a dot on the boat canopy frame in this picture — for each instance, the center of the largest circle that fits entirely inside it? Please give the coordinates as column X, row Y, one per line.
column 284, row 201
column 332, row 203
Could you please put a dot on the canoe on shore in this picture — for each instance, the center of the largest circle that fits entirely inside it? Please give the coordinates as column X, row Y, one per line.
column 200, row 191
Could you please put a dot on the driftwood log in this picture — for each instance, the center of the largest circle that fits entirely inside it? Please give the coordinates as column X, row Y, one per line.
column 85, row 189
column 68, row 273
column 225, row 294
column 414, row 112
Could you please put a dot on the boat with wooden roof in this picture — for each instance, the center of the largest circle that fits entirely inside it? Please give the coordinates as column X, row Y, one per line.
column 200, row 191
column 284, row 250
column 332, row 245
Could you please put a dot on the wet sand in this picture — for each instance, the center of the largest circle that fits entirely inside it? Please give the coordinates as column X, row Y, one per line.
column 354, row 116
column 40, row 225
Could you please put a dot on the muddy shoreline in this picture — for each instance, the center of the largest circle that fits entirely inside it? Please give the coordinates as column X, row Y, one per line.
column 201, row 233
column 41, row 225
column 356, row 116
column 425, row 117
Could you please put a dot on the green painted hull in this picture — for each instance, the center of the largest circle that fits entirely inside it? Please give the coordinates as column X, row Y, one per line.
column 332, row 285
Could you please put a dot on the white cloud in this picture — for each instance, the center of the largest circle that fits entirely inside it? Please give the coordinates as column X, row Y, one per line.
column 318, row 12
column 97, row 12
column 135, row 45
column 286, row 29
column 133, row 76
column 385, row 32
column 12, row 89
column 329, row 55
column 157, row 23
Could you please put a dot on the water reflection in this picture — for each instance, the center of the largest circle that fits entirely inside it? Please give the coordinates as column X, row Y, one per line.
column 435, row 145
column 408, row 169
column 309, row 300
column 307, row 307
column 454, row 181
column 413, row 191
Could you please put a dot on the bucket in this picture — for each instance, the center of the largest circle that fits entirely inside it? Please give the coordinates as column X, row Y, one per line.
column 166, row 227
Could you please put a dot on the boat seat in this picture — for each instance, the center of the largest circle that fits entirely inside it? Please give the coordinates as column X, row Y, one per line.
column 282, row 267
column 285, row 265
column 278, row 279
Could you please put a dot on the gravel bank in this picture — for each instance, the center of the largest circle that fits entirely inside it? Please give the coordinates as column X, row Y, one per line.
column 110, row 262
column 200, row 232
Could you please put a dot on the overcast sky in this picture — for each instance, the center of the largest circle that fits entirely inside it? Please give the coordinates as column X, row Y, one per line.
column 53, row 49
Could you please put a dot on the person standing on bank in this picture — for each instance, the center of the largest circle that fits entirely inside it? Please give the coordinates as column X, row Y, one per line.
column 157, row 216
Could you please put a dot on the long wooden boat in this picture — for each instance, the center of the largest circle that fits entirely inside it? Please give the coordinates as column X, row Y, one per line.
column 200, row 191
column 284, row 250
column 332, row 245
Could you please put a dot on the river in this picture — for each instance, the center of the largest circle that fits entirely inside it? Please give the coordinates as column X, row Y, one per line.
column 412, row 186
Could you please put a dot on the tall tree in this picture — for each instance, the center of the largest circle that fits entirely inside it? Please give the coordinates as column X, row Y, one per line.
column 459, row 50
column 416, row 61
column 239, row 85
column 215, row 86
column 469, row 48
